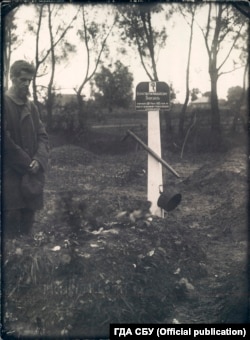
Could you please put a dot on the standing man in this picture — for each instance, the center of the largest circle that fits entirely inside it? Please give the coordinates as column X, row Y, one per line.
column 25, row 154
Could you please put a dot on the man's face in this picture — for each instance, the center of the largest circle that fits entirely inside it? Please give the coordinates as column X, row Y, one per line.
column 22, row 83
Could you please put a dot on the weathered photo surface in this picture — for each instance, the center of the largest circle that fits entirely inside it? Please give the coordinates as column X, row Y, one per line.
column 124, row 166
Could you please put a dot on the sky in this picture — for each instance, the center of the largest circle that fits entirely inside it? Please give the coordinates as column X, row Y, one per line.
column 171, row 63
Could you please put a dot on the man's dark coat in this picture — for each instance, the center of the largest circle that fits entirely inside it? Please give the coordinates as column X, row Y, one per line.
column 25, row 139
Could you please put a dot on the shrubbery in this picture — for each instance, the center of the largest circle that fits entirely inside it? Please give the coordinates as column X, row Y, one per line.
column 65, row 118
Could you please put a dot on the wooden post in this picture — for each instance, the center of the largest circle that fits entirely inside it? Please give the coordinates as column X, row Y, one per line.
column 151, row 97
column 154, row 166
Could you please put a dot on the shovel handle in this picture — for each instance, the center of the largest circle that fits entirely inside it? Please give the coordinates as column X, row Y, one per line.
column 152, row 153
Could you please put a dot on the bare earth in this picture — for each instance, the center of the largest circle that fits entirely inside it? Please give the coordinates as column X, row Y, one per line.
column 96, row 256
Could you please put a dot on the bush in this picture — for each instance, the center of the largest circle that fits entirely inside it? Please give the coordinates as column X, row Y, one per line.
column 65, row 118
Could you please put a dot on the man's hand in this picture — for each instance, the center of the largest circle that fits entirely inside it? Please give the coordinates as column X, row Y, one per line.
column 34, row 166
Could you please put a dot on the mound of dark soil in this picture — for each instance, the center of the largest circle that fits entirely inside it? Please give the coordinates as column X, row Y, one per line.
column 97, row 256
column 71, row 155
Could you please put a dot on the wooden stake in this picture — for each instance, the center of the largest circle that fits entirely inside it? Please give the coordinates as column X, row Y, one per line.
column 154, row 166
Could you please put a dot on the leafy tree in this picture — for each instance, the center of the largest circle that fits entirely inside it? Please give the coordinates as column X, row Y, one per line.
column 234, row 96
column 51, row 51
column 207, row 94
column 114, row 87
column 138, row 30
column 194, row 94
column 187, row 11
column 224, row 23
column 243, row 95
column 235, row 99
column 93, row 38
column 55, row 37
column 245, row 58
column 11, row 42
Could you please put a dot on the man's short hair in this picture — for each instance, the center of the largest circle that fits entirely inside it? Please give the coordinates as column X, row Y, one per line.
column 21, row 65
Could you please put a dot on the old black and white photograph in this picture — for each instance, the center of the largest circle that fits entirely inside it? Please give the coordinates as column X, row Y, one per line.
column 124, row 179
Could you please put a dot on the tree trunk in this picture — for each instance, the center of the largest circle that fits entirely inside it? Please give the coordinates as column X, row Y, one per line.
column 215, row 114
column 35, row 97
column 7, row 56
column 81, row 113
column 49, row 108
column 240, row 109
column 182, row 117
column 50, row 100
column 184, row 107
